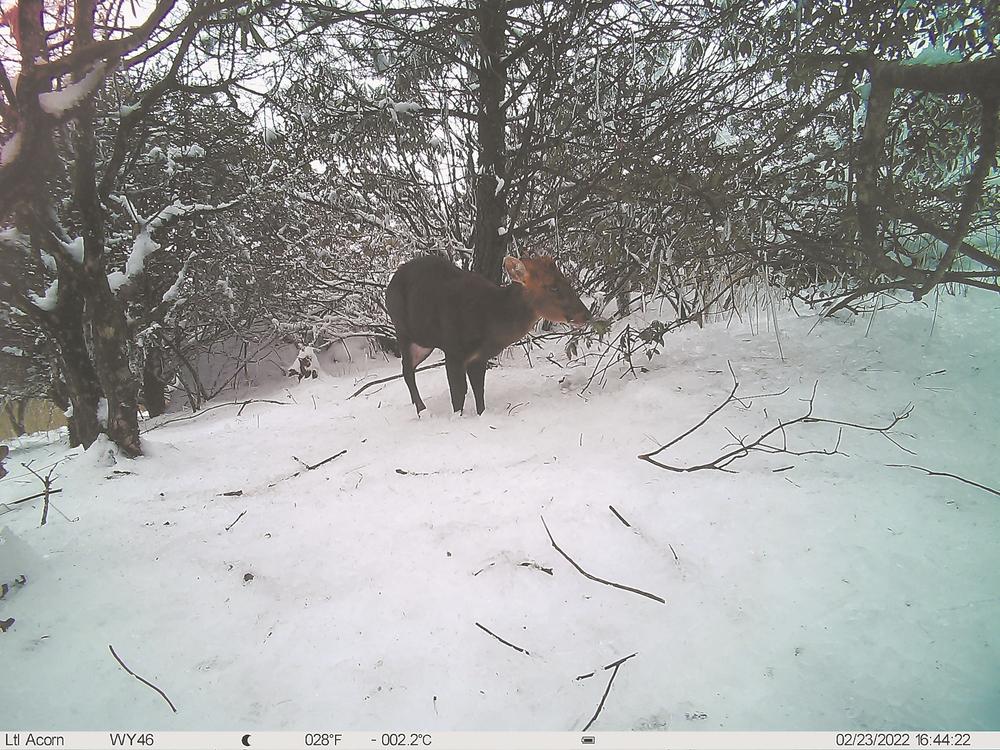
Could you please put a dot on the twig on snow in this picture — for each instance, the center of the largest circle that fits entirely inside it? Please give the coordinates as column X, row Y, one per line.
column 241, row 404
column 608, row 666
column 237, row 519
column 945, row 474
column 324, row 461
column 34, row 497
column 617, row 665
column 584, row 573
column 366, row 386
column 309, row 467
column 744, row 447
column 535, row 566
column 506, row 643
column 142, row 680
column 620, row 517
column 47, row 492
column 404, row 472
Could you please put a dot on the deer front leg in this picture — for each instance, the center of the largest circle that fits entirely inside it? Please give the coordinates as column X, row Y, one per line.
column 455, row 365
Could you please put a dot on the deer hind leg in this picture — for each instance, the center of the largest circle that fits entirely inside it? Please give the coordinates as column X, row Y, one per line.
column 412, row 355
column 477, row 379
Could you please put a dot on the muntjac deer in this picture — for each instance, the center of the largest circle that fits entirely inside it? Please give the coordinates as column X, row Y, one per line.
column 435, row 305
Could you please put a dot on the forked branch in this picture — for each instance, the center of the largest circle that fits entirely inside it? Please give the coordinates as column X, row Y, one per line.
column 764, row 443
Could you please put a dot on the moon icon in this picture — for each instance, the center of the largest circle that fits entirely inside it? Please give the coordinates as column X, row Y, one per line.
column 246, row 740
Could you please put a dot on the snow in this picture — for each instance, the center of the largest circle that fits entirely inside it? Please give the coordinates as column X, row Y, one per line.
column 59, row 102
column 13, row 351
column 501, row 231
column 725, row 139
column 271, row 134
column 142, row 247
column 14, row 238
column 116, row 280
column 306, row 364
column 934, row 55
column 396, row 109
column 194, row 151
column 838, row 593
column 170, row 156
column 50, row 298
column 10, row 149
column 74, row 249
column 173, row 293
column 406, row 108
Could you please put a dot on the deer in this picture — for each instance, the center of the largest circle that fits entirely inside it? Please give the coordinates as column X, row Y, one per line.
column 434, row 304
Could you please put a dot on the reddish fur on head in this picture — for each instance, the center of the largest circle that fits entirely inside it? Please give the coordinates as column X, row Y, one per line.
column 546, row 289
column 9, row 18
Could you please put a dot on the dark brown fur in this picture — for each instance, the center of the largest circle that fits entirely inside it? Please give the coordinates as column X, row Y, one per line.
column 435, row 305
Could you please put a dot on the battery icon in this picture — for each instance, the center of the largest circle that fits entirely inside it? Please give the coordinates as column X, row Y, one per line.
column 588, row 739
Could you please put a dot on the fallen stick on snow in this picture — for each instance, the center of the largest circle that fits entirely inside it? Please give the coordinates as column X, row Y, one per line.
column 617, row 665
column 324, row 461
column 612, row 665
column 366, row 386
column 237, row 519
column 34, row 497
column 506, row 643
column 583, row 572
column 140, row 679
column 945, row 474
column 309, row 467
column 620, row 517
column 241, row 404
column 745, row 447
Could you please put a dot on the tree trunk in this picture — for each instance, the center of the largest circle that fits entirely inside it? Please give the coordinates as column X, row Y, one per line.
column 491, row 203
column 153, row 388
column 74, row 383
column 15, row 409
column 108, row 330
column 105, row 312
column 82, row 389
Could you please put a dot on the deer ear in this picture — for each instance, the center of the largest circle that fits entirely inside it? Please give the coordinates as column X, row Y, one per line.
column 515, row 269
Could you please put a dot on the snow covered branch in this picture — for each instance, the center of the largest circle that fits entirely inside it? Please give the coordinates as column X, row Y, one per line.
column 144, row 245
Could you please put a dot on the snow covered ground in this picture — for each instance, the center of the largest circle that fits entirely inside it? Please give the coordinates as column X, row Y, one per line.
column 838, row 594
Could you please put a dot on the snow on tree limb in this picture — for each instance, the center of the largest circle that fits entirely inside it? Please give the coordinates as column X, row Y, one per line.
column 74, row 249
column 10, row 149
column 58, row 103
column 13, row 239
column 172, row 295
column 49, row 300
column 144, row 245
